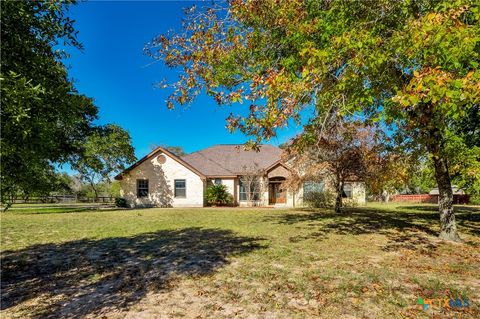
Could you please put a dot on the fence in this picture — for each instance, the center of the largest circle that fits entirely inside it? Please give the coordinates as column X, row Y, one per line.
column 64, row 199
column 416, row 198
column 428, row 198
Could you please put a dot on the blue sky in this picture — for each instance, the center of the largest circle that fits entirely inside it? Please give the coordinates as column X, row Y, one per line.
column 113, row 70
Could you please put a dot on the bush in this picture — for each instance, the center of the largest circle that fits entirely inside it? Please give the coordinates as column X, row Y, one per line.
column 474, row 199
column 120, row 202
column 319, row 199
column 218, row 195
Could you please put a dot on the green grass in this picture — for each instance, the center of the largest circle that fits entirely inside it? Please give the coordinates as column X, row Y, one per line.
column 46, row 208
column 371, row 262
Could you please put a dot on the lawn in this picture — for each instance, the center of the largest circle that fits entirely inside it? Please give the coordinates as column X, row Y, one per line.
column 369, row 262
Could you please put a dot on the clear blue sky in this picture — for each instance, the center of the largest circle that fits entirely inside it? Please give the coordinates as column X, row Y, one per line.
column 113, row 70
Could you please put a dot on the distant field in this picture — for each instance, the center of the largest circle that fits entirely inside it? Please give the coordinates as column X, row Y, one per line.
column 369, row 262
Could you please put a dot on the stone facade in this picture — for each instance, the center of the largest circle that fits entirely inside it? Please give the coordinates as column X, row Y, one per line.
column 358, row 197
column 161, row 170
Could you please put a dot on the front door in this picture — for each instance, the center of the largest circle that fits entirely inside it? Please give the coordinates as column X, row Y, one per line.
column 276, row 194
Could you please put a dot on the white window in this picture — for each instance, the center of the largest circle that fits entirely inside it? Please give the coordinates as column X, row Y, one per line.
column 180, row 188
column 347, row 190
column 254, row 189
column 313, row 187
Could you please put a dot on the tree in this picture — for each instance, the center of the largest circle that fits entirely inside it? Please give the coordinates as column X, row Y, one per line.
column 463, row 150
column 176, row 150
column 464, row 163
column 421, row 178
column 77, row 186
column 284, row 145
column 44, row 119
column 463, row 158
column 251, row 183
column 387, row 172
column 105, row 153
column 337, row 153
column 468, row 127
column 63, row 184
column 413, row 64
column 114, row 189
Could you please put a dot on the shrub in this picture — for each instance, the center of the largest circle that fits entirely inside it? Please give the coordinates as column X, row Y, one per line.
column 218, row 195
column 474, row 199
column 319, row 199
column 349, row 202
column 120, row 202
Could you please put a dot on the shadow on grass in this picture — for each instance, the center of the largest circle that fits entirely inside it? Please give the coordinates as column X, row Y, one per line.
column 82, row 277
column 56, row 210
column 412, row 229
column 434, row 208
column 467, row 217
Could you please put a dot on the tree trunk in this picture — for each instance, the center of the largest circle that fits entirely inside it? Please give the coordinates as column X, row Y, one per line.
column 95, row 192
column 386, row 196
column 435, row 145
column 338, row 200
column 448, row 227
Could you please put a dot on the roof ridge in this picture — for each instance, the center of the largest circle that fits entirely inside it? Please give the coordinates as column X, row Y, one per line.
column 238, row 144
column 226, row 144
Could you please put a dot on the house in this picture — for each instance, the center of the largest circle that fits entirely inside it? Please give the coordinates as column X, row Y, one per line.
column 459, row 196
column 455, row 190
column 165, row 180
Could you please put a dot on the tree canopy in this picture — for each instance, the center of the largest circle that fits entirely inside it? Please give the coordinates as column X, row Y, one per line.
column 343, row 151
column 375, row 57
column 176, row 150
column 44, row 119
column 412, row 64
column 106, row 152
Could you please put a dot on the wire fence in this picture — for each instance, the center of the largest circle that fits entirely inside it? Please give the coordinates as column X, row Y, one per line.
column 70, row 199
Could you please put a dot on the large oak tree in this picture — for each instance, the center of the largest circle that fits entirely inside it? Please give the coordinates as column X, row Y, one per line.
column 412, row 63
column 44, row 119
column 107, row 151
column 341, row 151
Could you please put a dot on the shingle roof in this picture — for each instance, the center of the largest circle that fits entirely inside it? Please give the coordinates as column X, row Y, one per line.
column 229, row 160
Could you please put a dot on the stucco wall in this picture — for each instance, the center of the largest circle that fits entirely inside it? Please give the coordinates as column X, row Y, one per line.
column 230, row 183
column 358, row 194
column 161, row 184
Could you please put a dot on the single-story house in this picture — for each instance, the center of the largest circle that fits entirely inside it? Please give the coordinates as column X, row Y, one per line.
column 455, row 190
column 459, row 196
column 165, row 180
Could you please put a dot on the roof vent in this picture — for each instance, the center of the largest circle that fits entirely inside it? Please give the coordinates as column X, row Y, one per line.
column 161, row 159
